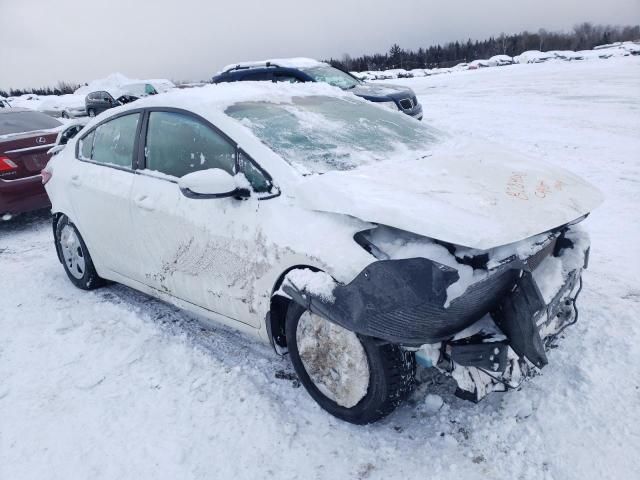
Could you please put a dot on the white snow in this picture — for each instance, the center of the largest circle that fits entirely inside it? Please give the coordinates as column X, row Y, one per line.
column 296, row 62
column 619, row 49
column 316, row 283
column 116, row 83
column 113, row 384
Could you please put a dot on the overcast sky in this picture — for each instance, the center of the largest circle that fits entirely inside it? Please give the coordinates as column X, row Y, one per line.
column 43, row 41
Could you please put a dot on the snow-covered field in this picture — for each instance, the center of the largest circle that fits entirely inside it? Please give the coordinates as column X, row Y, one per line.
column 113, row 384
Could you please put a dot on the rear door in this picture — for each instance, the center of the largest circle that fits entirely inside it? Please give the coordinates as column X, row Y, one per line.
column 100, row 188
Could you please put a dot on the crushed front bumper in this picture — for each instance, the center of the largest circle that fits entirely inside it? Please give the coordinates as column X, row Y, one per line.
column 510, row 343
column 487, row 338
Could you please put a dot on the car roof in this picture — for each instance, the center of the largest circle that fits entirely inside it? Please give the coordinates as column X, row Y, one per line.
column 297, row 62
column 211, row 101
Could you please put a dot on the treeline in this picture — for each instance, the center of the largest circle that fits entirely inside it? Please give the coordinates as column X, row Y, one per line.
column 60, row 89
column 584, row 36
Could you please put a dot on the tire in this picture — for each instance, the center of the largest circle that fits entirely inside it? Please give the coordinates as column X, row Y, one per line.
column 91, row 112
column 75, row 256
column 64, row 115
column 391, row 371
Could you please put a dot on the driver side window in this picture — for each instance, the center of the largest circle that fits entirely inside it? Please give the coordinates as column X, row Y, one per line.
column 178, row 144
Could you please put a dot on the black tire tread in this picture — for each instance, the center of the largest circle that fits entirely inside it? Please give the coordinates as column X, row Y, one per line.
column 395, row 369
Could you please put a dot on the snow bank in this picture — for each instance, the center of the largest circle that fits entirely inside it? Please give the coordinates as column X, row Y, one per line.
column 116, row 83
column 620, row 49
column 533, row 56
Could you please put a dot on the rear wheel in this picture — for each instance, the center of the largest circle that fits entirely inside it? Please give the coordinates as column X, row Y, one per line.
column 75, row 256
column 357, row 379
column 65, row 115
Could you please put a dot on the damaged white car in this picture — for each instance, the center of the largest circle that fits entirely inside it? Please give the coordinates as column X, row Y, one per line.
column 356, row 240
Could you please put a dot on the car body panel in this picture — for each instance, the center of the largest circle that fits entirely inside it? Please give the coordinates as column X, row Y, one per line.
column 474, row 196
column 21, row 190
column 194, row 260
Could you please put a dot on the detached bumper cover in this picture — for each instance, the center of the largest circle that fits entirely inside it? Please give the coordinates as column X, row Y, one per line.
column 402, row 301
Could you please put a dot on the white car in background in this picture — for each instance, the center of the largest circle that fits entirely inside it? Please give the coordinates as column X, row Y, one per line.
column 350, row 236
column 65, row 106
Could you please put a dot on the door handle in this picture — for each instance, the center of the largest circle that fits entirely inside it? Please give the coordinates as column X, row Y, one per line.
column 75, row 179
column 145, row 203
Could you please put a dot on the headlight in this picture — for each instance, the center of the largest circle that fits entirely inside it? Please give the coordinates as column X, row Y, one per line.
column 390, row 105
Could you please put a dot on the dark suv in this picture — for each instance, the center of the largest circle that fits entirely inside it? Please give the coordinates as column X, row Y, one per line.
column 395, row 97
column 98, row 102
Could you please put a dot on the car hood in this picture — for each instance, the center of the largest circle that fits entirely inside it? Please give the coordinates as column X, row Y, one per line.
column 477, row 196
column 381, row 91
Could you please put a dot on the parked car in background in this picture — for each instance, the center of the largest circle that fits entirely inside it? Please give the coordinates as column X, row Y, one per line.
column 64, row 106
column 395, row 97
column 99, row 101
column 353, row 237
column 26, row 136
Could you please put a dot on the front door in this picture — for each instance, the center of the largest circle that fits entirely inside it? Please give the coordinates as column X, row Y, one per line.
column 199, row 250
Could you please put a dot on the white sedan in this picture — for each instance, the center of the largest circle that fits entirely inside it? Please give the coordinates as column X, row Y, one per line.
column 355, row 239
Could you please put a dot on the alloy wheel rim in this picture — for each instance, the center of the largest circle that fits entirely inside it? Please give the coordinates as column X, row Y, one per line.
column 72, row 252
column 334, row 359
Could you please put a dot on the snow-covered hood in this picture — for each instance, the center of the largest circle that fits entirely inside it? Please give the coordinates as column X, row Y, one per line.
column 478, row 196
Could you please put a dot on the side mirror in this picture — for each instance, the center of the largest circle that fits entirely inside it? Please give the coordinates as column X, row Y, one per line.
column 212, row 183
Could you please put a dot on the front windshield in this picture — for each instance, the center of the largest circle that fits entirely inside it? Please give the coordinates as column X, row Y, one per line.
column 318, row 134
column 332, row 76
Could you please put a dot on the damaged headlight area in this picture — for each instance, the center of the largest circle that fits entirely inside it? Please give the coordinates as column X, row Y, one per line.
column 485, row 318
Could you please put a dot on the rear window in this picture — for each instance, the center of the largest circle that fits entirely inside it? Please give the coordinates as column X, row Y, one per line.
column 113, row 141
column 19, row 122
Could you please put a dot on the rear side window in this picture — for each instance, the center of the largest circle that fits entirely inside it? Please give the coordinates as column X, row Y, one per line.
column 113, row 141
column 86, row 146
column 286, row 77
column 257, row 77
column 178, row 144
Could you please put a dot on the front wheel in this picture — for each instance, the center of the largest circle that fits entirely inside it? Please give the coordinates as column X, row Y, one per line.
column 75, row 256
column 357, row 379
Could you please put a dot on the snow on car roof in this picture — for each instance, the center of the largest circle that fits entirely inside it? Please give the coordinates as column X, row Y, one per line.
column 218, row 97
column 296, row 62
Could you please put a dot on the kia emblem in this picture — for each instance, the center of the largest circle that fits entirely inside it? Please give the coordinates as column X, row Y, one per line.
column 41, row 140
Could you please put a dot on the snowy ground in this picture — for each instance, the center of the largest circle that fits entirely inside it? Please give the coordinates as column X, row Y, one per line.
column 114, row 384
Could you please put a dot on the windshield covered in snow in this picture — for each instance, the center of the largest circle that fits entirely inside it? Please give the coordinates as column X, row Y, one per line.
column 332, row 76
column 317, row 134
